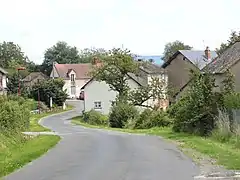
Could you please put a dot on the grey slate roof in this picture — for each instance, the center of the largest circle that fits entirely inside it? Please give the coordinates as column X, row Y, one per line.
column 151, row 68
column 226, row 60
column 196, row 57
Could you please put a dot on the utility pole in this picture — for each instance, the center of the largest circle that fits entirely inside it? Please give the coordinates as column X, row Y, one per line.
column 53, row 66
column 19, row 80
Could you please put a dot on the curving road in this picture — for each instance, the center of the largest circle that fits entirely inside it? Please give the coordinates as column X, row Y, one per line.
column 89, row 154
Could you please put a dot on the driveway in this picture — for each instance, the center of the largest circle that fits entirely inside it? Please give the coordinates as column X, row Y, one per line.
column 89, row 154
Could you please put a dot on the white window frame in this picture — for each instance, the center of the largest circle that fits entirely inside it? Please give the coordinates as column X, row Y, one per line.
column 98, row 105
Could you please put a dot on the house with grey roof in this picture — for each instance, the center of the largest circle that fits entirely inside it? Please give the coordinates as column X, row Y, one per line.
column 33, row 78
column 179, row 65
column 228, row 60
column 3, row 81
column 98, row 96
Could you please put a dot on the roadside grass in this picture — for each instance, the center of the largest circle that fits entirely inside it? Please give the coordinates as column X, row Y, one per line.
column 18, row 150
column 34, row 119
column 226, row 154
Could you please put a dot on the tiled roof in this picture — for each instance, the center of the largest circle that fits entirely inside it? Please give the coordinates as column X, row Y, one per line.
column 196, row 57
column 151, row 68
column 81, row 70
column 226, row 60
column 34, row 75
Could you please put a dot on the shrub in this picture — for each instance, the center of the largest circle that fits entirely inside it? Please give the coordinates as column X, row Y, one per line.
column 195, row 113
column 150, row 118
column 121, row 113
column 232, row 100
column 14, row 113
column 50, row 88
column 95, row 118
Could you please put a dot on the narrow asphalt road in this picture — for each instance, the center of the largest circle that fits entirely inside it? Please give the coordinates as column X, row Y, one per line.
column 89, row 154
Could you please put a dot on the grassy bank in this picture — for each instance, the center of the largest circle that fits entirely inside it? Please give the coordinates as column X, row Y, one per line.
column 34, row 119
column 17, row 150
column 226, row 154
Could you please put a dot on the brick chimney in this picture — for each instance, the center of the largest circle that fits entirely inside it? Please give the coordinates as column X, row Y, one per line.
column 208, row 53
column 96, row 62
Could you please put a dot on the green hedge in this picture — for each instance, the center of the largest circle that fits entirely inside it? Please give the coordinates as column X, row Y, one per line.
column 95, row 118
column 14, row 113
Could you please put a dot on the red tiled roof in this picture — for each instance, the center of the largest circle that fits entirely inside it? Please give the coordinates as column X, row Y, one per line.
column 81, row 70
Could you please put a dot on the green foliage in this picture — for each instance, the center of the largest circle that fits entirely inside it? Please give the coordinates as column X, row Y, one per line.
column 121, row 113
column 13, row 84
column 232, row 100
column 61, row 53
column 50, row 88
column 228, row 83
column 87, row 55
column 114, row 71
column 172, row 47
column 222, row 132
column 95, row 118
column 11, row 55
column 195, row 113
column 234, row 37
column 155, row 90
column 14, row 113
column 149, row 119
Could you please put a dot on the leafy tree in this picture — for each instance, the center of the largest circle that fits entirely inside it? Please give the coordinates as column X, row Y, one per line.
column 234, row 37
column 195, row 112
column 88, row 54
column 155, row 90
column 13, row 84
column 61, row 53
column 173, row 47
column 50, row 88
column 114, row 71
column 11, row 55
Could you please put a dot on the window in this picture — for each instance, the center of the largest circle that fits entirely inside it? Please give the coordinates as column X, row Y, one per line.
column 72, row 77
column 73, row 90
column 38, row 80
column 97, row 105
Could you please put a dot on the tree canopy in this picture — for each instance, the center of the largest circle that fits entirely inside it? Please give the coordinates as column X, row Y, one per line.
column 114, row 70
column 172, row 47
column 60, row 53
column 234, row 37
column 12, row 56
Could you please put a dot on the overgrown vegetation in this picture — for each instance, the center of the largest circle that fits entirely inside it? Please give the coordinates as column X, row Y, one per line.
column 49, row 88
column 18, row 149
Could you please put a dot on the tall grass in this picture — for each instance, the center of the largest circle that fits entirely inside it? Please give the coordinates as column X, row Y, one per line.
column 223, row 132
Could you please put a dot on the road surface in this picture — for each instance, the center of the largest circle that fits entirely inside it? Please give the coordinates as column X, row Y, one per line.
column 88, row 154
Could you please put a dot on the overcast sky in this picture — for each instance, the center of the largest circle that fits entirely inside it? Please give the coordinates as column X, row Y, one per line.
column 144, row 26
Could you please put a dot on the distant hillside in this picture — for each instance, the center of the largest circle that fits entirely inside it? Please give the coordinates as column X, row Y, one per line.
column 156, row 59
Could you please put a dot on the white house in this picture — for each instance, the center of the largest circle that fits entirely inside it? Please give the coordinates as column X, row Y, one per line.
column 98, row 96
column 74, row 75
column 3, row 81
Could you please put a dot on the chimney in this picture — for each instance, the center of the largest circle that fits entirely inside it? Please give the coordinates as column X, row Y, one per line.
column 96, row 62
column 207, row 53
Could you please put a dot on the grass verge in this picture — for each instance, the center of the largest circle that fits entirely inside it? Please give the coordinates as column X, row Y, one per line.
column 226, row 154
column 17, row 150
column 34, row 119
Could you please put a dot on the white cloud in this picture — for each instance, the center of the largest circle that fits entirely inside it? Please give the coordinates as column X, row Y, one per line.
column 144, row 26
